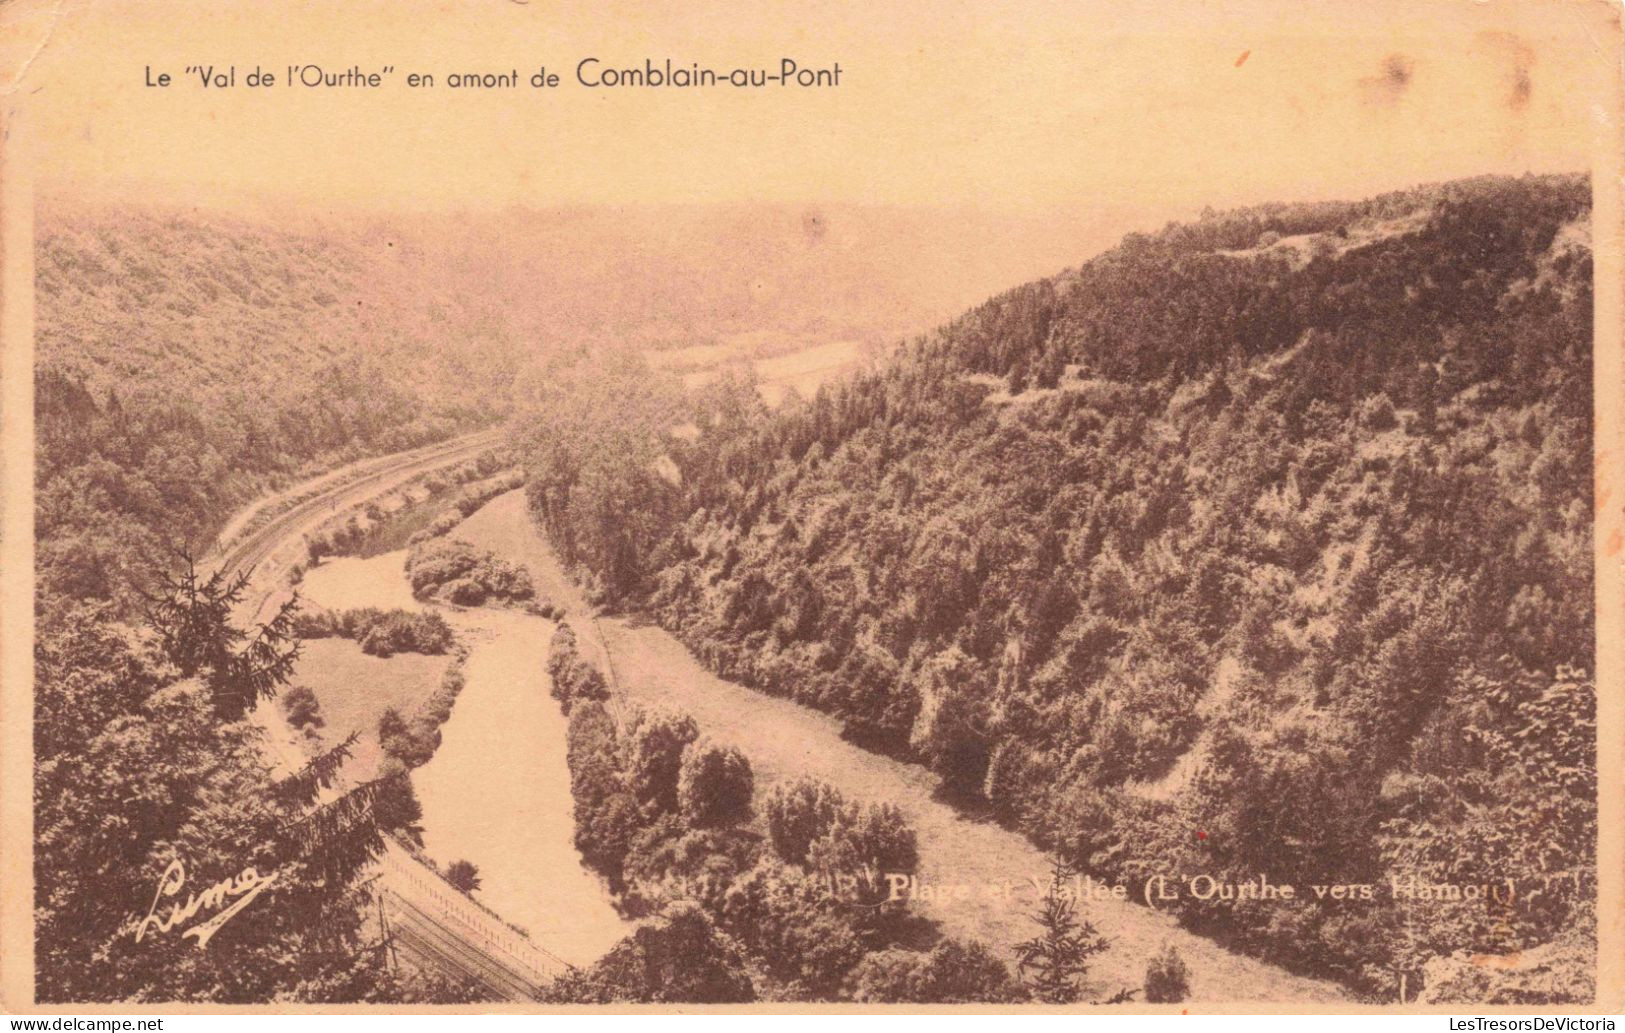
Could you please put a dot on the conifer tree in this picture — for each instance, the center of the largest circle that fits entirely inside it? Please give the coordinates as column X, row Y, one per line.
column 192, row 616
column 1058, row 956
column 160, row 786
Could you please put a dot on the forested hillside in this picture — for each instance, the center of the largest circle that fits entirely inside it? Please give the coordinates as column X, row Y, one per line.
column 187, row 360
column 1257, row 546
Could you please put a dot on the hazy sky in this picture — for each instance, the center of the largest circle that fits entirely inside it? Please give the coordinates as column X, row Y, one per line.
column 999, row 105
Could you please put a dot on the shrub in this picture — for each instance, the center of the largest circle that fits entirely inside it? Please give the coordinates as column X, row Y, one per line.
column 468, row 501
column 455, row 570
column 572, row 676
column 680, row 958
column 714, row 786
column 670, row 860
column 799, row 813
column 604, row 833
column 463, row 591
column 315, row 624
column 464, row 876
column 795, row 927
column 380, row 632
column 317, row 549
column 396, row 807
column 301, row 708
column 952, row 973
column 435, row 563
column 1376, row 412
column 655, row 757
column 561, row 649
column 1167, row 980
column 867, row 845
column 605, row 813
column 401, row 632
column 412, row 742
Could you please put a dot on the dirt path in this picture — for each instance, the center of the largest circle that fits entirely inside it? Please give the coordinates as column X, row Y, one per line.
column 784, row 740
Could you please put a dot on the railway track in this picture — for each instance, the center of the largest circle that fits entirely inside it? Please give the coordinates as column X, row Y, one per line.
column 253, row 547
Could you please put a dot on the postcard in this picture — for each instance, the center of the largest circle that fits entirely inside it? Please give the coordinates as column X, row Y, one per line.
column 539, row 507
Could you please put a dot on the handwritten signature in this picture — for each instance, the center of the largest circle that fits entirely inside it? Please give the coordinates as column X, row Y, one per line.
column 240, row 889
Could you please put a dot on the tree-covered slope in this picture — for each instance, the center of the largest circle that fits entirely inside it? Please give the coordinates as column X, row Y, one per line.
column 1256, row 546
column 187, row 359
column 252, row 306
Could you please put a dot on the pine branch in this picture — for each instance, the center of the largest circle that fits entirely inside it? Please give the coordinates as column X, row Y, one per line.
column 301, row 788
column 327, row 822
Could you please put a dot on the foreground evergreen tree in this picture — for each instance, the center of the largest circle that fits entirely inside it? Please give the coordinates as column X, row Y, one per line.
column 192, row 616
column 1167, row 980
column 149, row 790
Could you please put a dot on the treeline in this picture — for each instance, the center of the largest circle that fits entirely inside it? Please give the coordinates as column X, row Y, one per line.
column 468, row 502
column 410, row 741
column 379, row 632
column 782, row 897
column 592, row 436
column 412, row 513
column 1276, row 526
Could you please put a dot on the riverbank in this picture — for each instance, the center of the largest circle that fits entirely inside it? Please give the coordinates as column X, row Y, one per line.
column 496, row 792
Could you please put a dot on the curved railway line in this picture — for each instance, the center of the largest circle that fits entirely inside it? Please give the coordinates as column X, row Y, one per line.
column 376, row 477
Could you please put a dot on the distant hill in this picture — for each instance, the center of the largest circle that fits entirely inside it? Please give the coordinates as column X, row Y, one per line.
column 686, row 276
column 239, row 307
column 1257, row 546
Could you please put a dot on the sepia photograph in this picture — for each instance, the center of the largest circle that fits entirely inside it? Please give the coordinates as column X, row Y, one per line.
column 988, row 508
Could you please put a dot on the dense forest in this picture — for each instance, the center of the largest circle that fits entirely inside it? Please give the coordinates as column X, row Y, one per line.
column 1257, row 546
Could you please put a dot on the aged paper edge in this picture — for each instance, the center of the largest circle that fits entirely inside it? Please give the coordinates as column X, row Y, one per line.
column 18, row 165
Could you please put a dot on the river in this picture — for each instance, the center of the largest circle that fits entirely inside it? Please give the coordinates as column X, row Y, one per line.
column 497, row 791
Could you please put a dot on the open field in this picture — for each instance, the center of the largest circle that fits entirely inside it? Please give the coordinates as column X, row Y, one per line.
column 354, row 689
column 779, row 365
